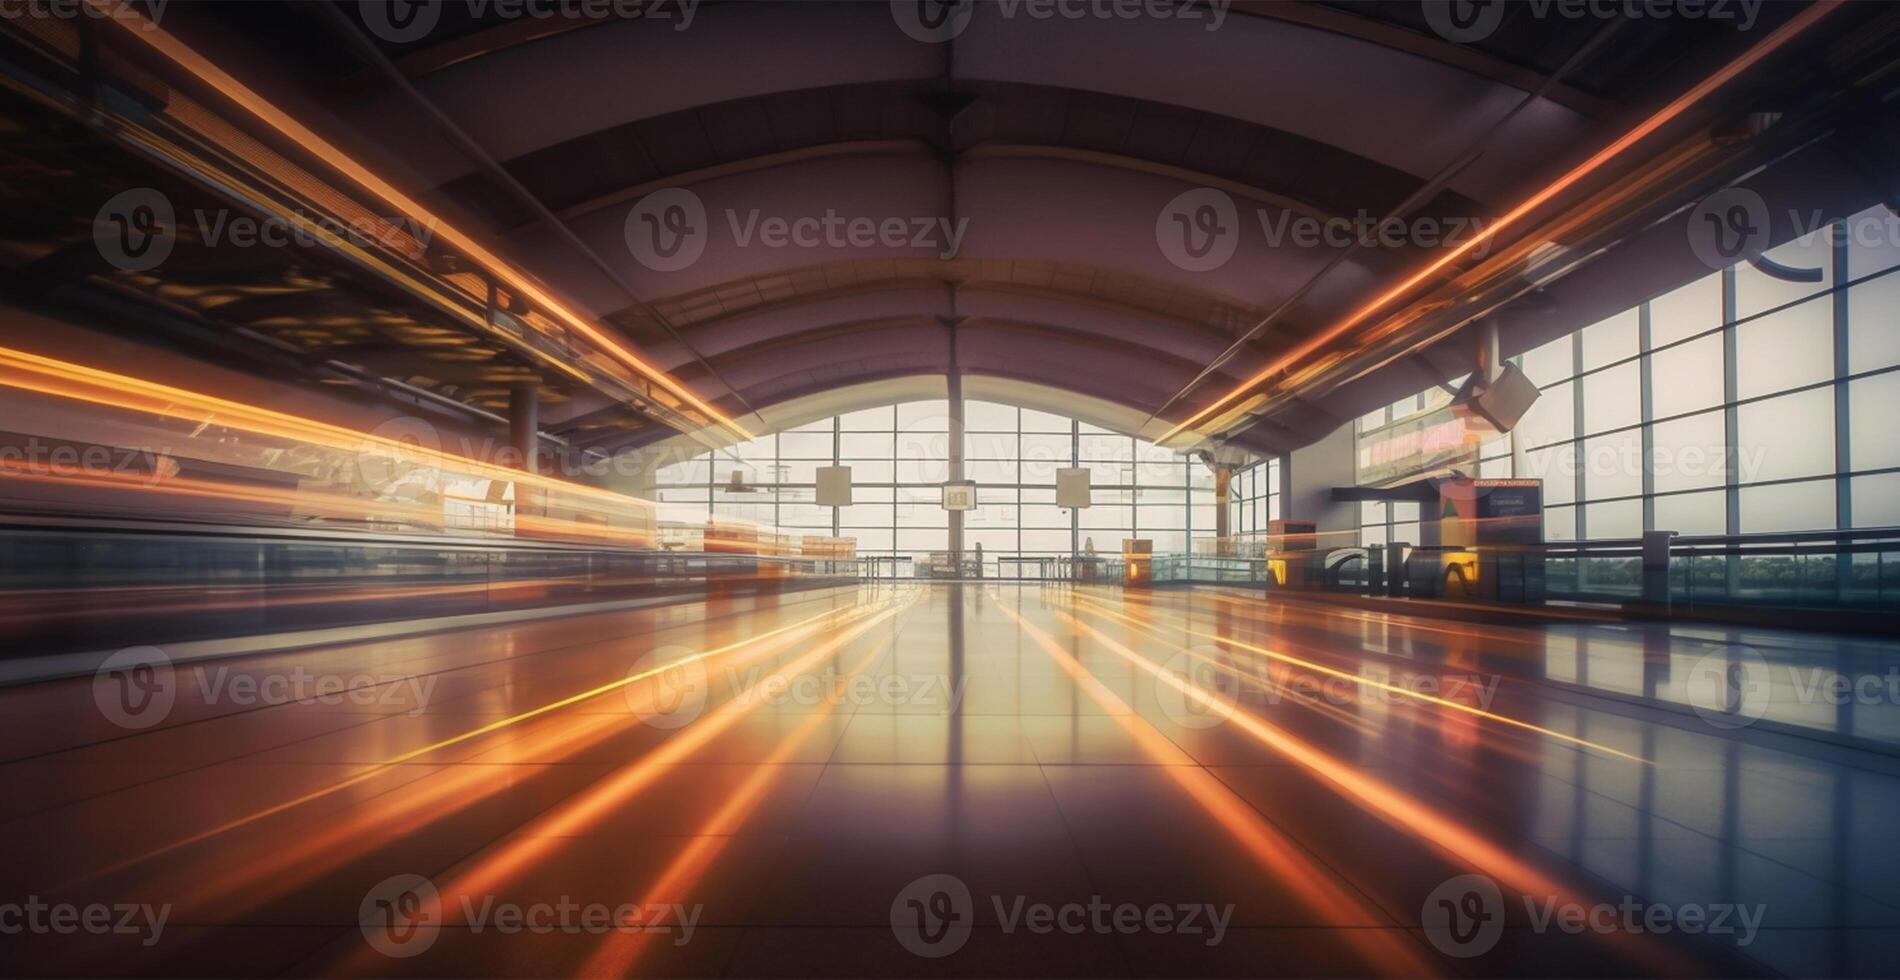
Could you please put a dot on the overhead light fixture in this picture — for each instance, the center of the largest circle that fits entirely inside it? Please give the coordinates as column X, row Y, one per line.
column 1662, row 117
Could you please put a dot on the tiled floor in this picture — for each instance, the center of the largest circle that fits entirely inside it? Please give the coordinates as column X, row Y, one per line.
column 986, row 779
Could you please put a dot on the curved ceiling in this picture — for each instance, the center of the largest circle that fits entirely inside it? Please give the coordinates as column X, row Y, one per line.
column 1031, row 166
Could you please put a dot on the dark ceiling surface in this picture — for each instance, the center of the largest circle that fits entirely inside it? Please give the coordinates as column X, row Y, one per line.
column 1032, row 160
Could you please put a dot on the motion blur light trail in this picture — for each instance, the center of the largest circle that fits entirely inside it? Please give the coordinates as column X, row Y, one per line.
column 620, row 952
column 801, row 627
column 1329, row 897
column 576, row 815
column 1097, row 609
column 261, row 878
column 1404, row 814
column 1662, row 117
column 149, row 33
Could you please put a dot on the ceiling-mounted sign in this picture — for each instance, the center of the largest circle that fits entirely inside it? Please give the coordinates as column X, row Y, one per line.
column 959, row 495
column 834, row 486
column 1433, row 444
column 1072, row 486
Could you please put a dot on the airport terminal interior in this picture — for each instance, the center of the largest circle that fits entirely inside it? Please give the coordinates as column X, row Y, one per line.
column 949, row 488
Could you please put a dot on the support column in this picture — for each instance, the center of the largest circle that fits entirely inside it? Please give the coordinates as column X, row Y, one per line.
column 524, row 422
column 954, row 379
column 1223, row 497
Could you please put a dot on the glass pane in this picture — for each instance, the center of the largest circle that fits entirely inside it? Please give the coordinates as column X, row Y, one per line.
column 1687, row 311
column 867, row 515
column 990, row 470
column 988, row 417
column 1051, row 540
column 1612, row 399
column 1034, row 421
column 1617, row 519
column 873, row 539
column 1693, row 513
column 1560, row 524
column 1557, row 467
column 1873, row 407
column 1106, row 448
column 1613, row 467
column 1756, row 290
column 1873, row 241
column 991, row 445
column 1786, row 349
column 865, row 445
column 1611, row 340
column 1877, row 500
column 1687, row 378
column 807, row 445
column 1691, row 452
column 869, row 420
column 1789, row 507
column 930, row 416
column 919, row 446
column 1108, row 516
column 1550, row 363
column 1551, row 418
column 1786, row 437
column 1873, row 324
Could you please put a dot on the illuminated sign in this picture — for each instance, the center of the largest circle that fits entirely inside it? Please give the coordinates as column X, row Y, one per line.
column 1431, row 444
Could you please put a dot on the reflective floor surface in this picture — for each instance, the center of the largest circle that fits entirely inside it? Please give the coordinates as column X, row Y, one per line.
column 964, row 780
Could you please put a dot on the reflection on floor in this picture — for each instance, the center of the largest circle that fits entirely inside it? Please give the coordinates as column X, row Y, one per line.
column 986, row 779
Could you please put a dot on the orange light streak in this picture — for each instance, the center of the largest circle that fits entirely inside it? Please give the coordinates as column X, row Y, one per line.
column 805, row 625
column 1098, row 609
column 622, row 949
column 1662, row 117
column 1328, row 897
column 268, row 113
column 530, row 844
column 1402, row 812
